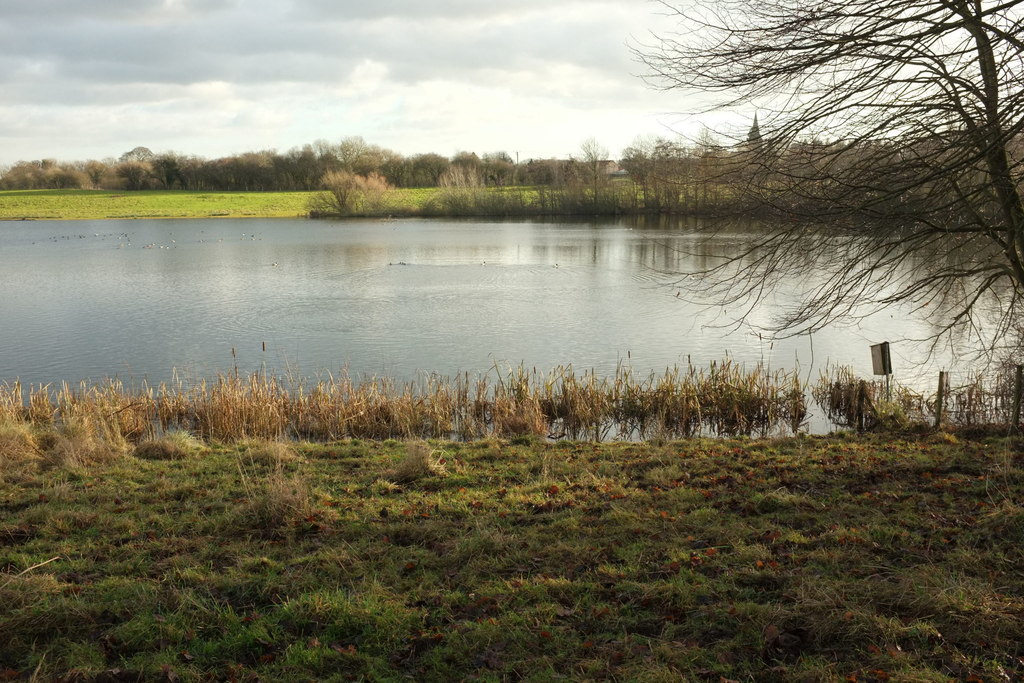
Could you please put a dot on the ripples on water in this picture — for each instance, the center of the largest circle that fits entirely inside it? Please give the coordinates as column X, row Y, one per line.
column 137, row 299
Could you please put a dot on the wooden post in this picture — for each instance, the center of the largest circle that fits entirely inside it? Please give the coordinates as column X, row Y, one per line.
column 862, row 393
column 1018, row 389
column 940, row 398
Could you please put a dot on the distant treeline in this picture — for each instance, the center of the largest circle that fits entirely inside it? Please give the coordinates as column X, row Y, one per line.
column 304, row 168
column 301, row 168
column 653, row 175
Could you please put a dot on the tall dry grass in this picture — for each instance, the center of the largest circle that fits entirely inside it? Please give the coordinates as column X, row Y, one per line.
column 977, row 400
column 277, row 498
column 20, row 450
column 94, row 423
column 71, row 427
column 726, row 398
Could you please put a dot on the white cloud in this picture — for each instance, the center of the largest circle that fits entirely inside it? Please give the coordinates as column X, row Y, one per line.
column 214, row 77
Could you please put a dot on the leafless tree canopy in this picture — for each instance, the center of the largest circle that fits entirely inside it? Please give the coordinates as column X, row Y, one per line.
column 889, row 150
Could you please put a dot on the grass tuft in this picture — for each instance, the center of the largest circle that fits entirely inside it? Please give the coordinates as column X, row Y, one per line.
column 20, row 451
column 274, row 453
column 175, row 444
column 18, row 443
column 419, row 462
column 81, row 441
column 275, row 503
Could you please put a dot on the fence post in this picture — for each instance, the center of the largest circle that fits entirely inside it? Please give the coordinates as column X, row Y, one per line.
column 862, row 394
column 1018, row 389
column 940, row 398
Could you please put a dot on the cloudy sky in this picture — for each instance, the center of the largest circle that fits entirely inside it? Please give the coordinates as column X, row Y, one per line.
column 92, row 79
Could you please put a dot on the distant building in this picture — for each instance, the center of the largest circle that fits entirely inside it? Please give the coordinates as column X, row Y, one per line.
column 754, row 136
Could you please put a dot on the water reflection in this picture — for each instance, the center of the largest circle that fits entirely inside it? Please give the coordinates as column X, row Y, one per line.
column 136, row 299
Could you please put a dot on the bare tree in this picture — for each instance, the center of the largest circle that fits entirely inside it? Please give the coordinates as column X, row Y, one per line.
column 661, row 170
column 135, row 174
column 427, row 169
column 593, row 158
column 498, row 168
column 710, row 169
column 885, row 154
column 356, row 155
column 167, row 169
column 470, row 166
column 95, row 170
column 137, row 154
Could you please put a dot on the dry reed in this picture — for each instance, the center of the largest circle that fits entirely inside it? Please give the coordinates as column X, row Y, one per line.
column 848, row 401
column 20, row 450
column 725, row 399
column 981, row 400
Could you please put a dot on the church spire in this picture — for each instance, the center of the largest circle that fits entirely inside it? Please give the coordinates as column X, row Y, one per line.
column 754, row 136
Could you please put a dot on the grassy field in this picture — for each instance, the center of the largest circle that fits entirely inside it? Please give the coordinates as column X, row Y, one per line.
column 97, row 204
column 805, row 559
column 100, row 204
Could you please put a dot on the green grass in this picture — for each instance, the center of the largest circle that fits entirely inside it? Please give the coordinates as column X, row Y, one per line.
column 803, row 559
column 97, row 204
column 100, row 204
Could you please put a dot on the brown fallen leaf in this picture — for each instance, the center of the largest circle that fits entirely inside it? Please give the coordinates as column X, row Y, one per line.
column 343, row 649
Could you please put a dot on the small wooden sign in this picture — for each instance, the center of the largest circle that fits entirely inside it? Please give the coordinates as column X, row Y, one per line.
column 880, row 359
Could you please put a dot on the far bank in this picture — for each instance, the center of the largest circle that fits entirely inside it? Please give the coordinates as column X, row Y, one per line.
column 615, row 199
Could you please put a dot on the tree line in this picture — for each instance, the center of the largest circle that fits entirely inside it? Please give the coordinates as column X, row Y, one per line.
column 654, row 175
column 298, row 169
column 665, row 175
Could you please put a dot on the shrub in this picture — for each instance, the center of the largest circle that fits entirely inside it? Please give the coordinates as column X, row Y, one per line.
column 348, row 194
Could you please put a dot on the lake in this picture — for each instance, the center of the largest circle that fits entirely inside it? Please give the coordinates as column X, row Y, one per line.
column 154, row 299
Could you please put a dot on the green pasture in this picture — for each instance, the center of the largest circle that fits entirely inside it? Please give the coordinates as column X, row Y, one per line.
column 838, row 558
column 479, row 201
column 100, row 204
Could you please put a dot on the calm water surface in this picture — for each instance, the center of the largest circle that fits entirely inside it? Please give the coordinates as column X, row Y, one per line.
column 88, row 300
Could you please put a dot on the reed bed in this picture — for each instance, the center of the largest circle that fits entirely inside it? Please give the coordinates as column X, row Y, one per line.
column 982, row 400
column 978, row 400
column 725, row 399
